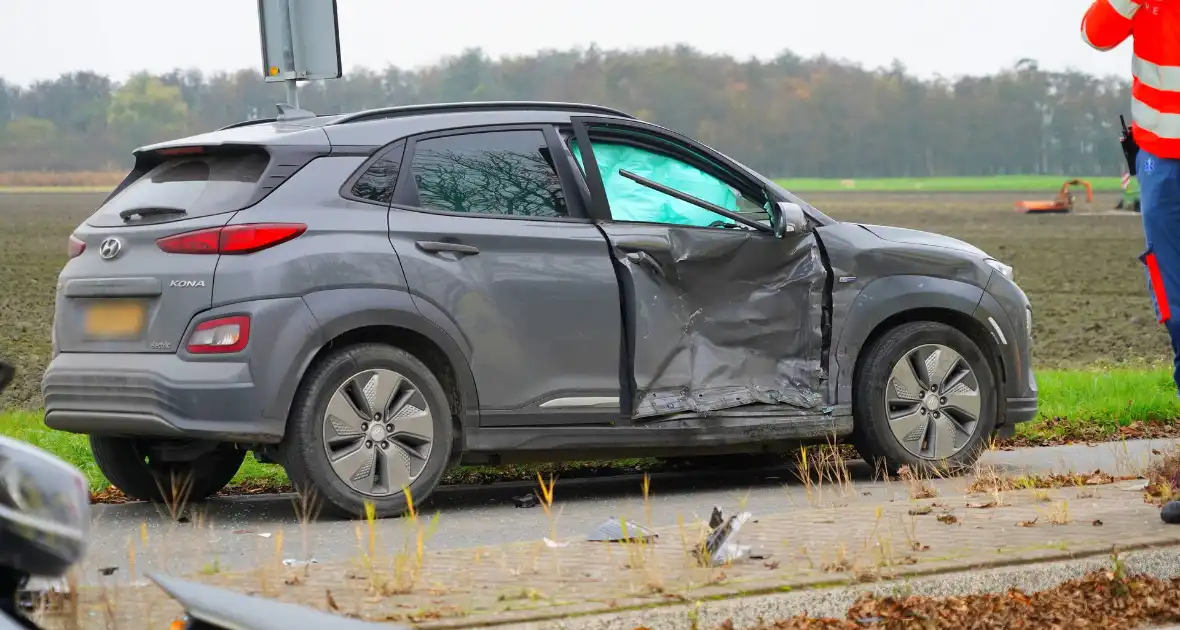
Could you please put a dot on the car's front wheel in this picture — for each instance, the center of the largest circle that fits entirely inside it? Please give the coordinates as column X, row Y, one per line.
column 924, row 397
column 127, row 463
column 370, row 421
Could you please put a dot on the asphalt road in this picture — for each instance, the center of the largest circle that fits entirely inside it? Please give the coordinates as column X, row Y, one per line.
column 235, row 531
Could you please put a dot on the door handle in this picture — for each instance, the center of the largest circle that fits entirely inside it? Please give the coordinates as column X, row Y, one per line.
column 643, row 259
column 436, row 247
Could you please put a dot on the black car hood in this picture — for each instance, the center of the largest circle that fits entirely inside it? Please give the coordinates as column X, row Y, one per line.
column 918, row 237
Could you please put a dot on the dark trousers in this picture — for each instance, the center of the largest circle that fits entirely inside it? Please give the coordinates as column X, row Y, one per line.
column 1159, row 185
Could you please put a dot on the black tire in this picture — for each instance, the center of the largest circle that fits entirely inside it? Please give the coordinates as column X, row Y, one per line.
column 125, row 464
column 303, row 448
column 872, row 434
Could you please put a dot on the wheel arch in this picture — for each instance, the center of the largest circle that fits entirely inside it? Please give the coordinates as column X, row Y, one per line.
column 353, row 316
column 892, row 301
column 963, row 322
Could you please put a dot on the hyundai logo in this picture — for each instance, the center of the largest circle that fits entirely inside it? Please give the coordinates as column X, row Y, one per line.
column 110, row 248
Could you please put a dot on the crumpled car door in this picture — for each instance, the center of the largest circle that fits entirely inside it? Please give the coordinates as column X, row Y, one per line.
column 719, row 318
column 716, row 315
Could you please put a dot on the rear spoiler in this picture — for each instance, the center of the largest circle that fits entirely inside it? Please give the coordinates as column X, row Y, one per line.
column 284, row 161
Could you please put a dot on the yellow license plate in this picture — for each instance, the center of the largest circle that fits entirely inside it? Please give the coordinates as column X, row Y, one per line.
column 114, row 319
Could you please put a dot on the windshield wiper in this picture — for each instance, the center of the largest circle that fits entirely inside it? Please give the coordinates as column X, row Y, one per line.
column 145, row 213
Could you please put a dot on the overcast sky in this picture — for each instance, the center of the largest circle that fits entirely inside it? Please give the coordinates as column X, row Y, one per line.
column 43, row 38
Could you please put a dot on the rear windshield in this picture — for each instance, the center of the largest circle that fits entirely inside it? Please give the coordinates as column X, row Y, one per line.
column 199, row 184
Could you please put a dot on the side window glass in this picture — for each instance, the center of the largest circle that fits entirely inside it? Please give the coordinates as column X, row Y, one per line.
column 632, row 201
column 377, row 183
column 500, row 172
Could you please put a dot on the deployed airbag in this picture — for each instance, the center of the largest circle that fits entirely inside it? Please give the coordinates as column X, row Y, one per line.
column 631, row 201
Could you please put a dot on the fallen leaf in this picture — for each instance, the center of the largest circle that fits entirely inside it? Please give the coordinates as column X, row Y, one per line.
column 771, row 565
column 1097, row 523
column 949, row 519
column 919, row 511
column 919, row 546
column 1031, row 523
column 331, row 601
column 982, row 506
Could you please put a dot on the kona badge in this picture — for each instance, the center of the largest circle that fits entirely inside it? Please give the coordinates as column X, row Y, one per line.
column 186, row 284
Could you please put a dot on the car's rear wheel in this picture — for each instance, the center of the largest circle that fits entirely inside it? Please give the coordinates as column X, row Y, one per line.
column 369, row 421
column 924, row 397
column 127, row 463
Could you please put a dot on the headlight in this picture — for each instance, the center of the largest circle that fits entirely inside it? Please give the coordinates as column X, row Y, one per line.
column 1004, row 270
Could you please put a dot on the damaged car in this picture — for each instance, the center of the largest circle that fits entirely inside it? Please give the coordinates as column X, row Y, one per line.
column 370, row 299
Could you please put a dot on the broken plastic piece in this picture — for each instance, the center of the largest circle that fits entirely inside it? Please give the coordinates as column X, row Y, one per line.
column 552, row 544
column 526, row 501
column 715, row 520
column 292, row 562
column 721, row 546
column 612, row 530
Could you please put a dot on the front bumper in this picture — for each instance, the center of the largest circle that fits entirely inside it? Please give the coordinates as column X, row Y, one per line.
column 1005, row 312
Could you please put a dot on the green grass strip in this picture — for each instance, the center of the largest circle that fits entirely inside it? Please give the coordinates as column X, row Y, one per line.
column 996, row 183
column 1085, row 402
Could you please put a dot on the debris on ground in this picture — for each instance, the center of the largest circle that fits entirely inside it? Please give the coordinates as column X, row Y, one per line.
column 721, row 547
column 715, row 519
column 616, row 530
column 992, row 483
column 108, row 570
column 526, row 501
column 1100, row 599
column 292, row 562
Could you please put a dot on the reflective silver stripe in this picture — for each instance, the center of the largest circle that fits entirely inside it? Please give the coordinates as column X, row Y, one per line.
column 1156, row 76
column 1125, row 8
column 1155, row 121
column 1086, row 38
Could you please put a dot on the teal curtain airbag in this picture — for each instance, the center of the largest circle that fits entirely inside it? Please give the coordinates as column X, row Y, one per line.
column 631, row 201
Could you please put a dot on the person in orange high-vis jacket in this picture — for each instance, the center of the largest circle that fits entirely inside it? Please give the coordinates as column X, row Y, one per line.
column 1154, row 25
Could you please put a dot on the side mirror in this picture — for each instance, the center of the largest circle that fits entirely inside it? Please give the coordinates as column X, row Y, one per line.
column 789, row 219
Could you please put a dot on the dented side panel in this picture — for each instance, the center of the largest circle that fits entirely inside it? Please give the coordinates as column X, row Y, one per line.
column 719, row 318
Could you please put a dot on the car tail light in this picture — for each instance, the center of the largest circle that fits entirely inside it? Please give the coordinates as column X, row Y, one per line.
column 222, row 335
column 75, row 246
column 232, row 239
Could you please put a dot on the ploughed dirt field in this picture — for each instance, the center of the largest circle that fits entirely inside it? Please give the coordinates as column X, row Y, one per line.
column 1081, row 271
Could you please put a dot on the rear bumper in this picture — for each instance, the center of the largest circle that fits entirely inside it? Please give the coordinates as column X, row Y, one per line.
column 242, row 397
column 144, row 395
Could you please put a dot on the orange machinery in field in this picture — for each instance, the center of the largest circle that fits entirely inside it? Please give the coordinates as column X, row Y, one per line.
column 1062, row 204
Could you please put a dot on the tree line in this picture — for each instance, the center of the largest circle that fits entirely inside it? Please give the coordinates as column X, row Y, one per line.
column 788, row 116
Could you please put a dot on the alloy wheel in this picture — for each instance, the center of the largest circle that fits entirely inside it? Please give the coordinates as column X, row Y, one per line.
column 378, row 432
column 933, row 401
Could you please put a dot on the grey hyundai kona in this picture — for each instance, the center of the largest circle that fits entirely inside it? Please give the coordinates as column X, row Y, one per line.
column 372, row 298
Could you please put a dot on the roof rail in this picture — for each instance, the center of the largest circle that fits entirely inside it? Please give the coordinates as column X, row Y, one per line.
column 474, row 106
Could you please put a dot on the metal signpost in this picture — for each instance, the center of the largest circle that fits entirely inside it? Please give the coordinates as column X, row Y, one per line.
column 300, row 42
